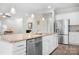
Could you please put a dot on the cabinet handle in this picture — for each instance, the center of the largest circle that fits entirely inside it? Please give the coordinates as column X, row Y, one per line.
column 20, row 45
column 16, row 50
column 30, row 41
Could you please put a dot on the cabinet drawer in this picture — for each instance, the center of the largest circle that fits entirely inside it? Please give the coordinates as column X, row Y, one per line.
column 19, row 44
column 22, row 52
column 19, row 49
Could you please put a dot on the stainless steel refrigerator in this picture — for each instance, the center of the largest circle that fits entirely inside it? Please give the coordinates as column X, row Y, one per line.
column 62, row 28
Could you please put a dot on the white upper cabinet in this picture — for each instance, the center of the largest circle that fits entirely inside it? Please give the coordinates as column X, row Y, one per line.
column 74, row 17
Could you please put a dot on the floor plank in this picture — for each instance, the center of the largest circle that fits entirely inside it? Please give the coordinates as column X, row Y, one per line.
column 66, row 50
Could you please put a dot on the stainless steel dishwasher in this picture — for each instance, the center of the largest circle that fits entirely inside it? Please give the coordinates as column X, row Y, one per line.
column 38, row 46
column 30, row 43
column 34, row 46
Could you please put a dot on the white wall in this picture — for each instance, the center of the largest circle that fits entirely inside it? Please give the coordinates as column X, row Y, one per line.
column 46, row 25
column 15, row 23
column 22, row 26
column 0, row 27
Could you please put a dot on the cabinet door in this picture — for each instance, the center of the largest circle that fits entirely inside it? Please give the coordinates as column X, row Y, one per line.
column 5, row 48
column 19, row 48
column 74, row 38
column 65, row 39
column 53, row 43
column 20, row 52
column 74, row 20
column 49, row 44
column 45, row 45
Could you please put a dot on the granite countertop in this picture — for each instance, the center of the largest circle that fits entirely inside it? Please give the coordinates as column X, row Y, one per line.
column 21, row 37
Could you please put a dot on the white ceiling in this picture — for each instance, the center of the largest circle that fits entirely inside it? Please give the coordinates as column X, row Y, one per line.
column 34, row 7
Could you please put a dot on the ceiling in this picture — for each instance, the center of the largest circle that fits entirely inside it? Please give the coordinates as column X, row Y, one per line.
column 35, row 7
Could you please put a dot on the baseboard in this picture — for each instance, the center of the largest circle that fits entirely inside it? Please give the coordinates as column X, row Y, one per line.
column 71, row 44
column 65, row 44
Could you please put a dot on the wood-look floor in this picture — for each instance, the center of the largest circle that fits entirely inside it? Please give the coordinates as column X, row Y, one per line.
column 66, row 50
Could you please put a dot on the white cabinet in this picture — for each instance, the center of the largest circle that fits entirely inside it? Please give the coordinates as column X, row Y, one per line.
column 49, row 43
column 73, row 16
column 16, row 48
column 74, row 22
column 19, row 48
column 65, row 39
column 45, row 45
column 5, row 48
column 74, row 38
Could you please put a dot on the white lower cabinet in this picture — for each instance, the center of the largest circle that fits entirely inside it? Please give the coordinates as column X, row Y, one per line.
column 19, row 48
column 74, row 38
column 45, row 45
column 65, row 39
column 49, row 43
column 15, row 48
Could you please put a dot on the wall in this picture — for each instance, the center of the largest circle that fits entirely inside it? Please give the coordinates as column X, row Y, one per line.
column 46, row 22
column 15, row 23
column 39, row 25
column 20, row 26
column 0, row 27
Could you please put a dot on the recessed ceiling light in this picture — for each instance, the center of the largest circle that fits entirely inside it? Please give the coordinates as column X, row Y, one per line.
column 32, row 16
column 43, row 18
column 26, row 14
column 1, row 13
column 4, row 16
column 49, row 7
column 13, row 11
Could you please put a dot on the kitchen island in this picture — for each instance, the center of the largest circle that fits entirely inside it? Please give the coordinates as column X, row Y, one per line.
column 17, row 44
